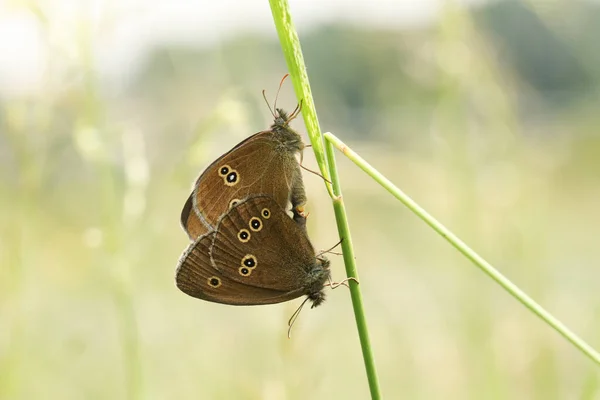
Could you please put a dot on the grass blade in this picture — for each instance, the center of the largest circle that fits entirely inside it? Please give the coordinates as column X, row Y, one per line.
column 461, row 246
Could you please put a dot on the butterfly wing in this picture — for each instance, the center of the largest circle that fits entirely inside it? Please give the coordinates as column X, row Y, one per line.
column 259, row 245
column 191, row 222
column 258, row 165
column 197, row 277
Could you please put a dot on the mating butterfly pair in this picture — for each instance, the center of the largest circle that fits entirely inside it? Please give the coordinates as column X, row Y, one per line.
column 246, row 250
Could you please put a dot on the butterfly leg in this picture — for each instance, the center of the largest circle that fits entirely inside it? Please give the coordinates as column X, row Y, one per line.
column 308, row 169
column 316, row 173
column 298, row 199
column 330, row 250
column 299, row 216
column 335, row 285
column 299, row 213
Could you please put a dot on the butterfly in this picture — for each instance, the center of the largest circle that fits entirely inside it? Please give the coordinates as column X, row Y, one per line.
column 264, row 163
column 255, row 255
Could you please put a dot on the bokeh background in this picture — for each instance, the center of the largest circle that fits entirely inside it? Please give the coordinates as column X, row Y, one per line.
column 486, row 113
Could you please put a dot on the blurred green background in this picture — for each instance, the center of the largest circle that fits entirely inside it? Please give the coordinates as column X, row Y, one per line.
column 486, row 113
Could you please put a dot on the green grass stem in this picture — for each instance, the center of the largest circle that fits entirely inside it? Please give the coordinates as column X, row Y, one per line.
column 351, row 272
column 292, row 51
column 461, row 246
column 295, row 62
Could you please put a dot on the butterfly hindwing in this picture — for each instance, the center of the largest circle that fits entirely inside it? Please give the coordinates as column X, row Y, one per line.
column 258, row 244
column 197, row 277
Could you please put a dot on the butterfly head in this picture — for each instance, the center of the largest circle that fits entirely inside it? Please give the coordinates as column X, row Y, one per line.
column 318, row 275
column 282, row 119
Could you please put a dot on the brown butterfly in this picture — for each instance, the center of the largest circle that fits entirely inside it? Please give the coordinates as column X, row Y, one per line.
column 264, row 163
column 256, row 255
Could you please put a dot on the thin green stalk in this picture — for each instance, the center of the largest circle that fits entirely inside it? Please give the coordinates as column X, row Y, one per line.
column 295, row 62
column 351, row 272
column 486, row 267
column 292, row 51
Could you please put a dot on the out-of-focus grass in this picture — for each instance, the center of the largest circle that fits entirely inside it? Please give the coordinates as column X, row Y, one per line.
column 88, row 308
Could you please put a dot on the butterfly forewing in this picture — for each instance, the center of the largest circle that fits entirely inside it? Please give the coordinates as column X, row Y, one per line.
column 258, row 244
column 255, row 168
column 197, row 277
column 260, row 164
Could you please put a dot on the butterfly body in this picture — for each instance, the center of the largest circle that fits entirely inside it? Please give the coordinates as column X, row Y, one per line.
column 315, row 281
column 256, row 255
column 289, row 140
column 264, row 163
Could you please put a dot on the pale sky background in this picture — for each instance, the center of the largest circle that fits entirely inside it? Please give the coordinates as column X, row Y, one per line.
column 121, row 32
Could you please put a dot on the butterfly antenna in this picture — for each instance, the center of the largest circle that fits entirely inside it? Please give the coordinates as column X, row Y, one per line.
column 296, row 111
column 329, row 251
column 316, row 173
column 268, row 105
column 278, row 90
column 294, row 317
